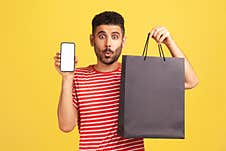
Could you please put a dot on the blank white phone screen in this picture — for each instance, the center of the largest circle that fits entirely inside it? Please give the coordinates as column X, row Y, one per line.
column 67, row 57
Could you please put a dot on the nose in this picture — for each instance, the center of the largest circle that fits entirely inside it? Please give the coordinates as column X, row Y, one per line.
column 108, row 42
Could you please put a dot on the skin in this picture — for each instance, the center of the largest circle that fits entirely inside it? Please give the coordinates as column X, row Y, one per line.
column 108, row 42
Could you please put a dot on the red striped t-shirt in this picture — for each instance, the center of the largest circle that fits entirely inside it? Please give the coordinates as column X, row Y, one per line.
column 96, row 97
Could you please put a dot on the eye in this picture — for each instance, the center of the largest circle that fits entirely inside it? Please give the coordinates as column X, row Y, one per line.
column 115, row 37
column 101, row 36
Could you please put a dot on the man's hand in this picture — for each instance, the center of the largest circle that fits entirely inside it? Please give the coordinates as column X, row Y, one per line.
column 161, row 35
column 57, row 66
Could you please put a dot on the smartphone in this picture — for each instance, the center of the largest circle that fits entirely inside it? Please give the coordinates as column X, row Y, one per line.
column 67, row 54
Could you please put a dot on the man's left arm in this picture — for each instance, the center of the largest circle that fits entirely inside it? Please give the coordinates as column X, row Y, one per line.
column 162, row 35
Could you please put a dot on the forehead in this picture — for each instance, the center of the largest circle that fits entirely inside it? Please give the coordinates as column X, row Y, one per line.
column 108, row 29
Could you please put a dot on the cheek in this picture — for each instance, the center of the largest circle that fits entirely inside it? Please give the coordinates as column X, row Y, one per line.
column 98, row 41
column 99, row 44
column 116, row 44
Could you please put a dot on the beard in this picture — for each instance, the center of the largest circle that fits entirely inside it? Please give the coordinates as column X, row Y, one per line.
column 108, row 56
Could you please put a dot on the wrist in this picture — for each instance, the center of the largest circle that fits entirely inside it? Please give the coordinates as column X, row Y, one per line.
column 169, row 42
column 67, row 77
column 67, row 82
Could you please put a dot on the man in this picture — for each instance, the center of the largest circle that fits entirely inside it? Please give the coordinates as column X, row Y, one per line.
column 90, row 95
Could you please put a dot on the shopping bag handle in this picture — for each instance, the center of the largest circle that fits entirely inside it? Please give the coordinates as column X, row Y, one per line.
column 161, row 53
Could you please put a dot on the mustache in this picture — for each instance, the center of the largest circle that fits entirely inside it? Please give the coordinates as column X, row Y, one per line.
column 108, row 50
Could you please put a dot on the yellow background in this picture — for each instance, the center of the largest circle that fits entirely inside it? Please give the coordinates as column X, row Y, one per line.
column 31, row 32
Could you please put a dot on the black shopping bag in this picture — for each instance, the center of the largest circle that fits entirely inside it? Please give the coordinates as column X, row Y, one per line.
column 151, row 96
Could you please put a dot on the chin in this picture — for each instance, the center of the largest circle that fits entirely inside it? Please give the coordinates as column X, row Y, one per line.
column 108, row 62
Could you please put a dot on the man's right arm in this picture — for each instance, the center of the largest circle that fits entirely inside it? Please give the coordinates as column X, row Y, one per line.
column 66, row 112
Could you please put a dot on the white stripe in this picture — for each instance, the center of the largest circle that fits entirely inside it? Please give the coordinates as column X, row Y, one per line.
column 93, row 99
column 95, row 82
column 107, row 138
column 101, row 122
column 100, row 134
column 138, row 148
column 99, row 114
column 99, row 126
column 100, row 106
column 98, row 110
column 132, row 146
column 94, row 88
column 75, row 105
column 81, row 80
column 99, row 130
column 91, row 75
column 107, row 90
column 102, row 118
column 91, row 79
column 94, row 95
column 112, row 146
column 98, row 84
column 93, row 138
column 99, row 102
column 109, row 145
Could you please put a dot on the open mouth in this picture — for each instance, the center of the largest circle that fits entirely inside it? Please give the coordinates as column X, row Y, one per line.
column 108, row 53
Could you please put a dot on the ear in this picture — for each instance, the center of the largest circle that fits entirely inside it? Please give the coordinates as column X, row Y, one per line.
column 91, row 38
column 123, row 41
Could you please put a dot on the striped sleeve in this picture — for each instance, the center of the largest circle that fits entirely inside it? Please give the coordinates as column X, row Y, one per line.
column 74, row 93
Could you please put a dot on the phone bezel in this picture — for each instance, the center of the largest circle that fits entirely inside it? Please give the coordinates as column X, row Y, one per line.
column 61, row 53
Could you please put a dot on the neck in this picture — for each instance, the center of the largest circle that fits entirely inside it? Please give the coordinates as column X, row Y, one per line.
column 106, row 68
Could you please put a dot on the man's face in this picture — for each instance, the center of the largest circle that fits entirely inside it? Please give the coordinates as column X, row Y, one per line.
column 108, row 42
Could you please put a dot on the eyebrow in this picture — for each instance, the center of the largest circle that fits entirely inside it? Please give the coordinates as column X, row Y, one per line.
column 103, row 32
column 116, row 33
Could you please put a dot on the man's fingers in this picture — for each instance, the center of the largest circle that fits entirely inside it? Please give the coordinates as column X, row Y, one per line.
column 156, row 30
column 151, row 33
column 57, row 56
column 57, row 64
column 164, row 36
column 159, row 33
column 76, row 59
column 57, row 59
